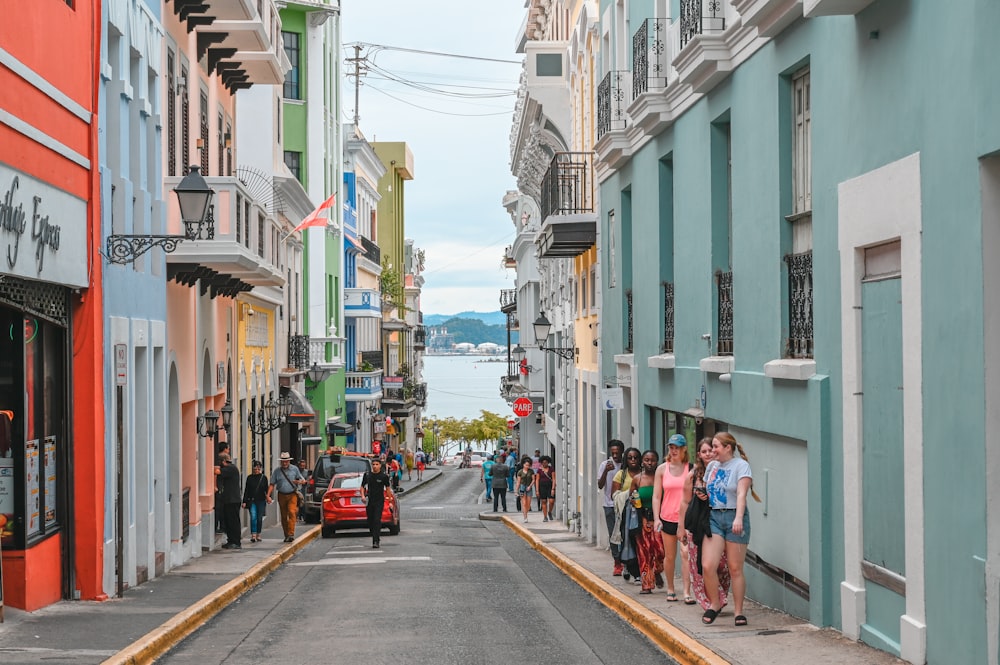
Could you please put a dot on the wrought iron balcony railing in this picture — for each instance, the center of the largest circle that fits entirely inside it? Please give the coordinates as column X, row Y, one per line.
column 611, row 103
column 724, row 335
column 419, row 337
column 800, row 305
column 649, row 56
column 701, row 16
column 568, row 184
column 668, row 317
column 420, row 394
column 372, row 251
column 508, row 300
column 298, row 351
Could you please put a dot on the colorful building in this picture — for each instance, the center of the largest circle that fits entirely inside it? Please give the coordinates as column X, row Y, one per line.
column 52, row 357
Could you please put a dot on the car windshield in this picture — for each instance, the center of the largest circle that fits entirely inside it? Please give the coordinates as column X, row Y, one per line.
column 327, row 468
column 349, row 482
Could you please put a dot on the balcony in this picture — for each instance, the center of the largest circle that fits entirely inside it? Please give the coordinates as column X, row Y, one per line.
column 419, row 338
column 363, row 386
column 705, row 56
column 569, row 221
column 240, row 38
column 372, row 251
column 613, row 96
column 398, row 394
column 769, row 16
column 234, row 260
column 298, row 352
column 420, row 394
column 508, row 300
column 650, row 56
column 362, row 303
column 326, row 352
column 508, row 258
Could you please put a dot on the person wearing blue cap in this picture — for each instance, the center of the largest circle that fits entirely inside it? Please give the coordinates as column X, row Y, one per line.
column 668, row 491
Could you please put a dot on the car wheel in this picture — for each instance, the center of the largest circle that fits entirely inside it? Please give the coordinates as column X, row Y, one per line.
column 394, row 529
column 328, row 531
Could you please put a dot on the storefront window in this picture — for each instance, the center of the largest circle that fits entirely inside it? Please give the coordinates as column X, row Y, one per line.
column 32, row 431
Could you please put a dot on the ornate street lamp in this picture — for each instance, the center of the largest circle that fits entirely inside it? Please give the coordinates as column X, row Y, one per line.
column 194, row 198
column 542, row 327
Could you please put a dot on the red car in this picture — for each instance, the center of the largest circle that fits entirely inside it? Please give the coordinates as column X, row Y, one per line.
column 343, row 507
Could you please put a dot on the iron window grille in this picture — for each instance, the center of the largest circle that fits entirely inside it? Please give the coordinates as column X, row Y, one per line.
column 724, row 335
column 628, row 320
column 610, row 103
column 649, row 47
column 668, row 317
column 185, row 126
column 800, row 305
column 204, row 134
column 171, row 117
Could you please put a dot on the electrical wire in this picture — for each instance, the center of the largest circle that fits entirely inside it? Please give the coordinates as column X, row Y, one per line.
column 424, row 108
column 383, row 47
column 493, row 244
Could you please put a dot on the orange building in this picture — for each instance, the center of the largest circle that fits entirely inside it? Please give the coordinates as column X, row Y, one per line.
column 51, row 319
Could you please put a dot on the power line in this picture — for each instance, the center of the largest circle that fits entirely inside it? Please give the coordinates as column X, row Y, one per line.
column 424, row 108
column 383, row 47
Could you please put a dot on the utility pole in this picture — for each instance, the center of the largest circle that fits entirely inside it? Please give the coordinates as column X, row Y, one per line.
column 357, row 60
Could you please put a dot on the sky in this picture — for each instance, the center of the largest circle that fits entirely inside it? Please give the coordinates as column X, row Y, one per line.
column 460, row 146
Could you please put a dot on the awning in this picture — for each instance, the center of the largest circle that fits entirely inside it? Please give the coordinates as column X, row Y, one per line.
column 302, row 411
column 354, row 242
column 339, row 429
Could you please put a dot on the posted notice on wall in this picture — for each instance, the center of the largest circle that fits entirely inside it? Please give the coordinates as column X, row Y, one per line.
column 50, row 480
column 32, row 488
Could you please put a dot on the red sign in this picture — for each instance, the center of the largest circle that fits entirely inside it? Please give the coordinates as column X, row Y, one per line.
column 523, row 407
column 510, row 424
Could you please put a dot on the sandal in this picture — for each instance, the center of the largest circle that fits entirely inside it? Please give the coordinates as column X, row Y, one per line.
column 645, row 591
column 671, row 597
column 741, row 620
column 688, row 600
column 708, row 618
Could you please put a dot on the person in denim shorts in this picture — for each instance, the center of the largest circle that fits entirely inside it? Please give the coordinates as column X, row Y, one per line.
column 728, row 479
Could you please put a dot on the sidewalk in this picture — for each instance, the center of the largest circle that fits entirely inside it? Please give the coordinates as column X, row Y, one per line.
column 153, row 617
column 771, row 638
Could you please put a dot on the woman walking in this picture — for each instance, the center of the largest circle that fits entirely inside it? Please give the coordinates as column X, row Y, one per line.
column 668, row 493
column 648, row 544
column 695, row 527
column 255, row 499
column 546, row 487
column 727, row 480
column 499, row 473
column 525, row 481
column 626, row 518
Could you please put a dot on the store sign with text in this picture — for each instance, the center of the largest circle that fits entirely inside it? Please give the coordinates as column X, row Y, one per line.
column 43, row 230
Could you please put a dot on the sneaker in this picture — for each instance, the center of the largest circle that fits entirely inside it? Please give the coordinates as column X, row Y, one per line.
column 545, row 518
column 619, row 567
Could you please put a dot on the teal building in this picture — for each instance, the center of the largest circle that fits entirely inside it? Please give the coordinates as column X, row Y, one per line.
column 815, row 186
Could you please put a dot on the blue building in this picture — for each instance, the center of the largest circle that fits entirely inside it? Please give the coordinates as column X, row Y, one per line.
column 815, row 187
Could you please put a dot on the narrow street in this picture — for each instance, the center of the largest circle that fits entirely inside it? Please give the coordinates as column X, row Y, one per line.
column 449, row 589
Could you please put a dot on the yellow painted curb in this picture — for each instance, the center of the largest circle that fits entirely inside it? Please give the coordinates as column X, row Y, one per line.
column 162, row 639
column 670, row 639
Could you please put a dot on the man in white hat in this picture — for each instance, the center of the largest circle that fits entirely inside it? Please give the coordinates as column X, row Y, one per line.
column 286, row 480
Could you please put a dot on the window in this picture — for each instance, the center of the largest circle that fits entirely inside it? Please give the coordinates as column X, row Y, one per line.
column 203, row 113
column 293, row 160
column 185, row 124
column 799, row 261
column 292, row 89
column 260, row 235
column 222, row 165
column 171, row 116
column 239, row 218
column 593, row 290
column 583, row 294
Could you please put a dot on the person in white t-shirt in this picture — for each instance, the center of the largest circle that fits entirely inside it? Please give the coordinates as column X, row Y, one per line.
column 728, row 479
column 606, row 470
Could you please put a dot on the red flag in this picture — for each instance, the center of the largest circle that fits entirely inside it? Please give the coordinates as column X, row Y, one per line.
column 313, row 218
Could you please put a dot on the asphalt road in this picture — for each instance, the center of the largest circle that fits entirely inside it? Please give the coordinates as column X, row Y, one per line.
column 449, row 589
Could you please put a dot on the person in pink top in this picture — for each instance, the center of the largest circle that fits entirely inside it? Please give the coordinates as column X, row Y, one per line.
column 668, row 491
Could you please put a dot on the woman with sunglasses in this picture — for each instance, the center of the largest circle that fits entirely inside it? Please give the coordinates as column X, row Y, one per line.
column 621, row 488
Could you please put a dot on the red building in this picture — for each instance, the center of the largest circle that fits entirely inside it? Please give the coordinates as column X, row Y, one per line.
column 51, row 320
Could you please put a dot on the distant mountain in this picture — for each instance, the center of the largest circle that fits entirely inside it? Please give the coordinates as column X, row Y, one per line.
column 489, row 318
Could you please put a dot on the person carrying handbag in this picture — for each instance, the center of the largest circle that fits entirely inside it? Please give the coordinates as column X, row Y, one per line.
column 255, row 499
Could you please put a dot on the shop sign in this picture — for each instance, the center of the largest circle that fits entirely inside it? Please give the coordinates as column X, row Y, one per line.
column 43, row 230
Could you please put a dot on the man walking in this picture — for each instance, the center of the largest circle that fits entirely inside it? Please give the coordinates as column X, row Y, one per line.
column 605, row 472
column 232, row 497
column 373, row 487
column 286, row 480
column 500, row 472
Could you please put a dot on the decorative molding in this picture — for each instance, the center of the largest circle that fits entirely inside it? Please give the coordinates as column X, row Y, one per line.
column 790, row 368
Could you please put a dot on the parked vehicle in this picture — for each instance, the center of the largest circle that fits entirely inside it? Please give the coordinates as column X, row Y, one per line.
column 343, row 507
column 327, row 466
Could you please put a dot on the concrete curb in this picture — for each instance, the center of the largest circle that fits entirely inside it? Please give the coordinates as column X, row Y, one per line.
column 159, row 641
column 671, row 640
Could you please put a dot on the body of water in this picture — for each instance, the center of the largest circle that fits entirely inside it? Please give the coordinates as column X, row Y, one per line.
column 462, row 386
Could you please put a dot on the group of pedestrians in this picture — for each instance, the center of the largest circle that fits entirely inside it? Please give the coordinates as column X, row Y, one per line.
column 655, row 511
column 255, row 495
column 534, row 478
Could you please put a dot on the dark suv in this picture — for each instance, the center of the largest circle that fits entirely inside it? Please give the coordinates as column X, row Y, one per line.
column 327, row 466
